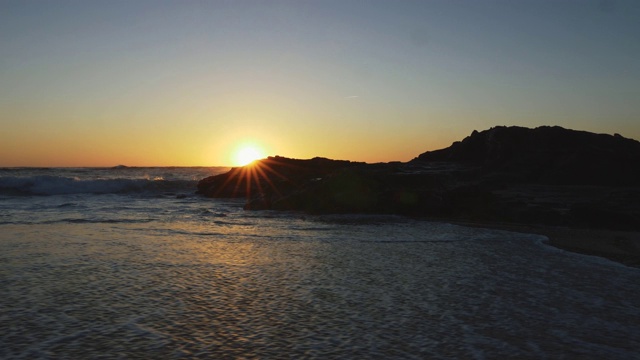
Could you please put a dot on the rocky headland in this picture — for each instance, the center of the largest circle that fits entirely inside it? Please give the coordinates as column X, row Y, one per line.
column 547, row 177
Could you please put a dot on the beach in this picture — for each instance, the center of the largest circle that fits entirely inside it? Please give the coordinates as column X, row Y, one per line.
column 129, row 263
column 615, row 245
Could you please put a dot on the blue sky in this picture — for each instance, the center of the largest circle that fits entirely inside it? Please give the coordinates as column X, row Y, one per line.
column 92, row 83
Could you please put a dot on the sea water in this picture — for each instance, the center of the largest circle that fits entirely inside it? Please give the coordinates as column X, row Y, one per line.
column 130, row 263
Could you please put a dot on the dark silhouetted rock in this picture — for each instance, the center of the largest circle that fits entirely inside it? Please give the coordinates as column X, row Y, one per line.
column 547, row 175
column 273, row 175
column 551, row 155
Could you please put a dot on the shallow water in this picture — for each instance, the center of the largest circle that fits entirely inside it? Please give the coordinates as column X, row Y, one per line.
column 154, row 276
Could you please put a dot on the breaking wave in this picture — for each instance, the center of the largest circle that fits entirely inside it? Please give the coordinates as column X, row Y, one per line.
column 61, row 185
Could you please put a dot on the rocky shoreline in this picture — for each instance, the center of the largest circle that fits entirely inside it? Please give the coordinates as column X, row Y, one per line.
column 547, row 178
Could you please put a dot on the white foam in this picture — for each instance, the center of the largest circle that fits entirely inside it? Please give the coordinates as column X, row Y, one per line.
column 61, row 185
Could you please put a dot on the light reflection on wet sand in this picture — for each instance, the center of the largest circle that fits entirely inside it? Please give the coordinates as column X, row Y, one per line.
column 329, row 291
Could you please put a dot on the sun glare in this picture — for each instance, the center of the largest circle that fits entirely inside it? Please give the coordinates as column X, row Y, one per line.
column 247, row 154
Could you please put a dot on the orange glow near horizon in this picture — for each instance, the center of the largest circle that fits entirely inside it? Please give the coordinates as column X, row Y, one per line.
column 189, row 83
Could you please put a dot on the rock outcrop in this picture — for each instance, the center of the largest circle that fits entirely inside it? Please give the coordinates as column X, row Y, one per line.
column 550, row 155
column 270, row 177
column 547, row 175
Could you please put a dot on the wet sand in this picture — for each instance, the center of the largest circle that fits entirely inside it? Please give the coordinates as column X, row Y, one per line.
column 620, row 246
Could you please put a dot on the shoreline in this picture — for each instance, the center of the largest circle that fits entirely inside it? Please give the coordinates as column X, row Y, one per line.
column 616, row 245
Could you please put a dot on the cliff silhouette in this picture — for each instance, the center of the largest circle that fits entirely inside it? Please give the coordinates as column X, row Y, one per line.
column 551, row 155
column 543, row 176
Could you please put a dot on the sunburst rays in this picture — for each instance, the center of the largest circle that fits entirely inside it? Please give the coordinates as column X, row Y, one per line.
column 261, row 177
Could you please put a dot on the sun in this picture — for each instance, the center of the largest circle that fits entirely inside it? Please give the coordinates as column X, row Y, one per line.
column 248, row 153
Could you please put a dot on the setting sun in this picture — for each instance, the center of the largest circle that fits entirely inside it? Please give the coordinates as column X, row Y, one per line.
column 247, row 154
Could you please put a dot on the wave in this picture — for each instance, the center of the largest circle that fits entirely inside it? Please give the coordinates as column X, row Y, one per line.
column 77, row 221
column 61, row 185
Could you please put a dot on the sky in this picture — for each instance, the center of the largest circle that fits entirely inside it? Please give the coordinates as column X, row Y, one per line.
column 187, row 83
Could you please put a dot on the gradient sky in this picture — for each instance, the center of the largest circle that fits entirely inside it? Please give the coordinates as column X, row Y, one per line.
column 141, row 83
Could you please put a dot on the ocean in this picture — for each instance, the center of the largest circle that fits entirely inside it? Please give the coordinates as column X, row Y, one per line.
column 129, row 263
